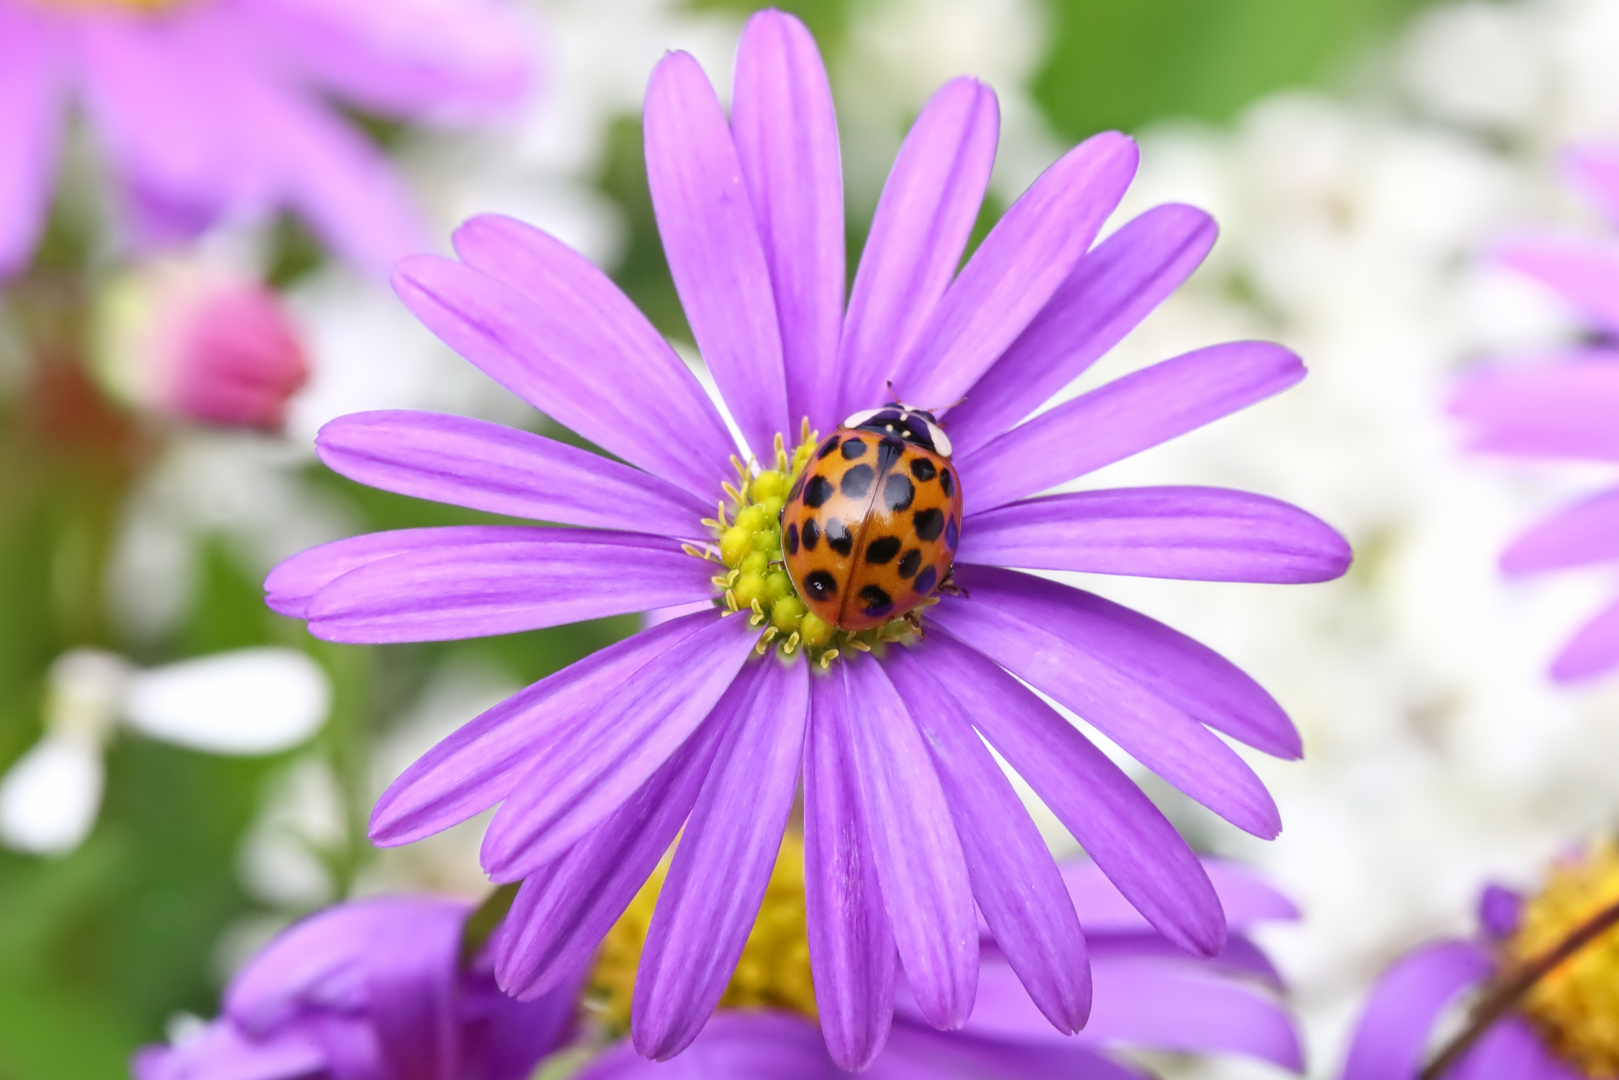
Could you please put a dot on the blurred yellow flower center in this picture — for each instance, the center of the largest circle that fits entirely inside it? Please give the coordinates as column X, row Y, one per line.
column 773, row 973
column 754, row 579
column 127, row 5
column 1576, row 1005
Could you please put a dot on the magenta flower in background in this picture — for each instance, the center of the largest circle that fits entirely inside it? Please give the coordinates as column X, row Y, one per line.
column 210, row 109
column 369, row 990
column 701, row 726
column 1149, row 995
column 1565, row 406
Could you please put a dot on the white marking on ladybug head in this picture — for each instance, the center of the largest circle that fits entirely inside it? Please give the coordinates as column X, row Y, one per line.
column 861, row 417
column 941, row 441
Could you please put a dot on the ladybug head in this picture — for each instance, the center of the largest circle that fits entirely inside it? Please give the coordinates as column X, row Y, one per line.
column 913, row 425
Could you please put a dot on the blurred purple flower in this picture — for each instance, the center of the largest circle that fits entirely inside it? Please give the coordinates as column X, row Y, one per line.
column 1565, row 406
column 909, row 820
column 1562, row 1027
column 209, row 109
column 369, row 990
column 1149, row 995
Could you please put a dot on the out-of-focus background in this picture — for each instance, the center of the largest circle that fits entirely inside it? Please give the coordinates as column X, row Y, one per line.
column 159, row 819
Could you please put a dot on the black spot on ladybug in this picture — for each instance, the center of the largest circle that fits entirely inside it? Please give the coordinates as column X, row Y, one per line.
column 821, row 584
column 812, row 535
column 857, row 481
column 853, row 448
column 877, row 601
column 882, row 550
column 889, row 451
column 952, row 534
column 898, row 491
column 792, row 538
column 928, row 523
column 838, row 537
column 911, row 563
column 827, row 448
column 946, row 482
column 926, row 580
column 798, row 485
column 923, row 469
column 817, row 491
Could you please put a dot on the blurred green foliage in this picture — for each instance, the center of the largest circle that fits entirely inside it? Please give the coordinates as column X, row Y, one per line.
column 99, row 948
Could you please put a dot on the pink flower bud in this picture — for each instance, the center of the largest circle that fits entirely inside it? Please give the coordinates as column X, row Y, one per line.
column 191, row 340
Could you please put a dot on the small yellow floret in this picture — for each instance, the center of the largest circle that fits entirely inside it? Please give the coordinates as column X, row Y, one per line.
column 786, row 613
column 752, row 518
column 749, row 590
column 779, row 586
column 773, row 972
column 814, row 633
column 756, row 563
column 768, row 485
column 1576, row 1005
column 735, row 545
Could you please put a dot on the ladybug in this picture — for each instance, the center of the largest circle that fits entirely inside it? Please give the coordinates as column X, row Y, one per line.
column 870, row 527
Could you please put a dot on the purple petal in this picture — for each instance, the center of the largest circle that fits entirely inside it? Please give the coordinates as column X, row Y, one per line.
column 1016, row 270
column 1500, row 911
column 926, row 213
column 918, row 1053
column 292, row 584
column 1245, row 898
column 711, row 240
column 1511, row 1051
column 542, row 321
column 1586, row 532
column 344, row 187
column 1584, row 272
column 787, row 141
column 1593, row 168
column 476, row 766
column 565, row 908
column 1051, row 645
column 1394, row 1028
column 501, row 470
column 225, row 1053
column 591, row 767
column 851, row 939
column 1593, row 651
column 1156, row 1004
column 1108, row 292
column 1119, row 827
column 414, row 1000
column 462, row 590
column 1014, row 879
column 723, row 864
column 407, row 58
column 1123, row 418
column 734, row 1046
column 1171, row 666
column 918, row 855
column 30, row 125
column 1563, row 409
column 1204, row 534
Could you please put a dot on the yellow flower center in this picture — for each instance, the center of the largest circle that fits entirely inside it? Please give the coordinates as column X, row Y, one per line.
column 1576, row 1005
column 773, row 973
column 144, row 6
column 747, row 534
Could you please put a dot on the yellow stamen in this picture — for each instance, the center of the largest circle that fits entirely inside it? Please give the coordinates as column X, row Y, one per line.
column 1576, row 1005
column 773, row 972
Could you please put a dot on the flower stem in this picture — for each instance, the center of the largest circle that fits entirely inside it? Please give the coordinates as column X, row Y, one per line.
column 1508, row 992
column 480, row 925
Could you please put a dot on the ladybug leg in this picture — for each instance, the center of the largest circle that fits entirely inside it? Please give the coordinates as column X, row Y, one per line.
column 913, row 620
column 949, row 587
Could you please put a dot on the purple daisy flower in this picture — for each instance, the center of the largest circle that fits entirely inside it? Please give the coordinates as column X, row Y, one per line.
column 1540, row 978
column 205, row 109
column 369, row 990
column 1565, row 406
column 704, row 725
column 1149, row 994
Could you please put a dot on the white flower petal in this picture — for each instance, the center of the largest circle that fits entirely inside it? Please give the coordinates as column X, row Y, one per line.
column 49, row 798
column 252, row 701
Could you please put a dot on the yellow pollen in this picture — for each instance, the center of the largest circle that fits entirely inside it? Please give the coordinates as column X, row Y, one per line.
column 773, row 973
column 747, row 535
column 1575, row 1007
